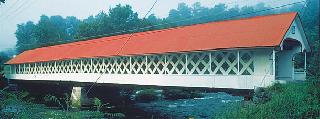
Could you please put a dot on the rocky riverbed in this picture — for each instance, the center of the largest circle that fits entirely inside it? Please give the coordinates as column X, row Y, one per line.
column 198, row 108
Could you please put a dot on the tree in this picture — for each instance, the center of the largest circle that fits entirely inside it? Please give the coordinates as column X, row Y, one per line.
column 2, row 1
column 49, row 30
column 310, row 20
column 25, row 35
column 3, row 58
column 45, row 31
column 103, row 24
column 72, row 25
column 87, row 28
column 181, row 13
column 59, row 27
column 119, row 19
column 217, row 13
column 199, row 11
column 123, row 18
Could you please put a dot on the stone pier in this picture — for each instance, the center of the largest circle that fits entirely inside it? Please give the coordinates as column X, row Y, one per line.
column 76, row 97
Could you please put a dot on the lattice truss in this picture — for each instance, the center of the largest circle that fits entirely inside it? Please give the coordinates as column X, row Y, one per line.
column 214, row 63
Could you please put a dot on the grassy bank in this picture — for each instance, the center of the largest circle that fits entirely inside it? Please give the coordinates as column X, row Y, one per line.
column 291, row 100
column 19, row 105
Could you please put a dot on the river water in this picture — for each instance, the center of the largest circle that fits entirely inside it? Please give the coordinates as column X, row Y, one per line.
column 198, row 108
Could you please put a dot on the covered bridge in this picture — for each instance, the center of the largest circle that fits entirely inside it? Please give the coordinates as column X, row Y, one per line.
column 238, row 54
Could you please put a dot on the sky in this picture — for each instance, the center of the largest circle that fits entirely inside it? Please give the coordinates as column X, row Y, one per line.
column 15, row 12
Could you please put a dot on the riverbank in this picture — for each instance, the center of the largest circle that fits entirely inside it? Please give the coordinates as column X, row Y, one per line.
column 298, row 100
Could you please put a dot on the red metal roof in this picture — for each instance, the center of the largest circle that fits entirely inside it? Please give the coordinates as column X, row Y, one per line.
column 261, row 31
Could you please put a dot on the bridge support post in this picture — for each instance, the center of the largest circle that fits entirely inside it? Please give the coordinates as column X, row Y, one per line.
column 76, row 97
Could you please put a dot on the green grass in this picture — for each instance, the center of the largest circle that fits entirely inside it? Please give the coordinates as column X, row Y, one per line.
column 292, row 100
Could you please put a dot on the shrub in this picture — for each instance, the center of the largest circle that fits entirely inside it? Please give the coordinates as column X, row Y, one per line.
column 263, row 95
column 97, row 103
column 8, row 98
column 18, row 105
column 313, row 87
column 292, row 101
column 275, row 88
column 146, row 95
column 115, row 115
column 174, row 94
column 64, row 102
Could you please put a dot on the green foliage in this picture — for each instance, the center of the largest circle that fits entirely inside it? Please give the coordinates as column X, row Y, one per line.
column 3, row 58
column 174, row 94
column 147, row 95
column 7, row 98
column 98, row 104
column 293, row 100
column 313, row 87
column 122, row 18
column 275, row 88
column 310, row 21
column 58, row 114
column 49, row 29
column 64, row 102
column 18, row 105
column 37, row 111
column 261, row 97
column 115, row 116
